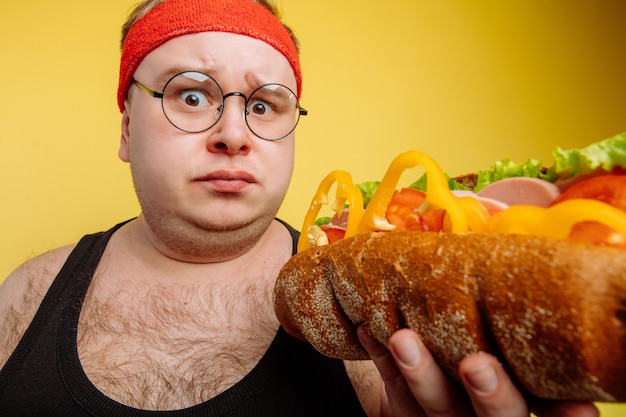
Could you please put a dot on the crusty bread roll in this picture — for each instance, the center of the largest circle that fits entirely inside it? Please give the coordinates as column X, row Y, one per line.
column 554, row 311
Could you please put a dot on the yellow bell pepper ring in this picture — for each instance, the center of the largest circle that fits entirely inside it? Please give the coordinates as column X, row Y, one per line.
column 556, row 221
column 462, row 213
column 476, row 214
column 346, row 191
column 437, row 196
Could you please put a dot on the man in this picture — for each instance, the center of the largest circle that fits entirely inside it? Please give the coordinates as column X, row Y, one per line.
column 170, row 313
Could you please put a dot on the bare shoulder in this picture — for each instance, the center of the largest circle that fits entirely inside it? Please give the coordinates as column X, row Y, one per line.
column 35, row 274
column 368, row 385
column 22, row 292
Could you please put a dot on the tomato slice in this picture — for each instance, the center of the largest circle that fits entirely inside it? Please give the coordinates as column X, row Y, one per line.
column 433, row 220
column 402, row 212
column 609, row 188
column 408, row 197
column 402, row 209
column 333, row 233
column 598, row 234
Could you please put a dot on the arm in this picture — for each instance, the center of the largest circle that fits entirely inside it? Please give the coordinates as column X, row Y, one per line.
column 22, row 292
column 416, row 386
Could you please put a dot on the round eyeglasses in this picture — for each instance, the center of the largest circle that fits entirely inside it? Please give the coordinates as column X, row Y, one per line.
column 194, row 102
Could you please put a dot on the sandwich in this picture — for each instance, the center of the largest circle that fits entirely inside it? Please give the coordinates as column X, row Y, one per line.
column 523, row 261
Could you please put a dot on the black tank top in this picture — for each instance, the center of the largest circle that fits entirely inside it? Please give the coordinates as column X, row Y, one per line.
column 44, row 377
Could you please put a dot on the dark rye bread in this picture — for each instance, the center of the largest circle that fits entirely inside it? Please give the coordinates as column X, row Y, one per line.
column 468, row 180
column 553, row 311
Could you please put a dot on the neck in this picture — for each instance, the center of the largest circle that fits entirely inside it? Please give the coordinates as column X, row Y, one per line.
column 136, row 251
column 189, row 243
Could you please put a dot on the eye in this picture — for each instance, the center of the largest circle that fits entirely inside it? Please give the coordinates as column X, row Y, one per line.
column 260, row 108
column 194, row 98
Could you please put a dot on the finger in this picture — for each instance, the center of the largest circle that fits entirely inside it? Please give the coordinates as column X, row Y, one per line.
column 433, row 389
column 491, row 391
column 422, row 378
column 399, row 395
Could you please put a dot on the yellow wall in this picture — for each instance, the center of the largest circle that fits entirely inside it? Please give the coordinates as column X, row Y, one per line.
column 467, row 82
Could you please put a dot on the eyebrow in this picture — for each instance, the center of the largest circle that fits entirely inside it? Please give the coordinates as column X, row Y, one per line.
column 167, row 75
column 254, row 81
column 251, row 79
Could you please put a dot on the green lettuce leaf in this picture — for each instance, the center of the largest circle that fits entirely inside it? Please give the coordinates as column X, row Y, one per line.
column 507, row 168
column 420, row 184
column 367, row 189
column 321, row 221
column 605, row 154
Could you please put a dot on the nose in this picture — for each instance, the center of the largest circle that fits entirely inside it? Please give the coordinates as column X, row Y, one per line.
column 230, row 134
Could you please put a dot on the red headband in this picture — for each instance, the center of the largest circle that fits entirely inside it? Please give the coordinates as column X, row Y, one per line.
column 174, row 18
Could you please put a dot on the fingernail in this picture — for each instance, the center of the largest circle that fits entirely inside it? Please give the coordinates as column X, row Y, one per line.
column 407, row 351
column 483, row 380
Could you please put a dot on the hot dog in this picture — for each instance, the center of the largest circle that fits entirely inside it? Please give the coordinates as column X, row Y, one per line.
column 511, row 282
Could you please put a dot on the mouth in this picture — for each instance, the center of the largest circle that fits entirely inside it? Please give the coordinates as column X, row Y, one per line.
column 227, row 181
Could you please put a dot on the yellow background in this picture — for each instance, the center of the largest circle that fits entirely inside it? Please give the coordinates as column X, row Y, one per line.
column 467, row 82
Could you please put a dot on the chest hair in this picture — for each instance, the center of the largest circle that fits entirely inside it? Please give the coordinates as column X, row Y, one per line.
column 163, row 347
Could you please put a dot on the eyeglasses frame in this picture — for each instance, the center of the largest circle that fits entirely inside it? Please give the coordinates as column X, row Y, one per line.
column 301, row 111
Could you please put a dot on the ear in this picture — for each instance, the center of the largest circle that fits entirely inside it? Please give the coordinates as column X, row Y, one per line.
column 123, row 152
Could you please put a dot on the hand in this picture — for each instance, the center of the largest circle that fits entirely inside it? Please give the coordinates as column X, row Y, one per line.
column 416, row 385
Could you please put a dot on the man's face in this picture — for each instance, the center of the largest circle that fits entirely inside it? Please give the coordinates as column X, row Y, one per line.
column 220, row 179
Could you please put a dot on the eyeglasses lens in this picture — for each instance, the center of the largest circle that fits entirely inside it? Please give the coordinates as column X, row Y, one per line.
column 194, row 102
